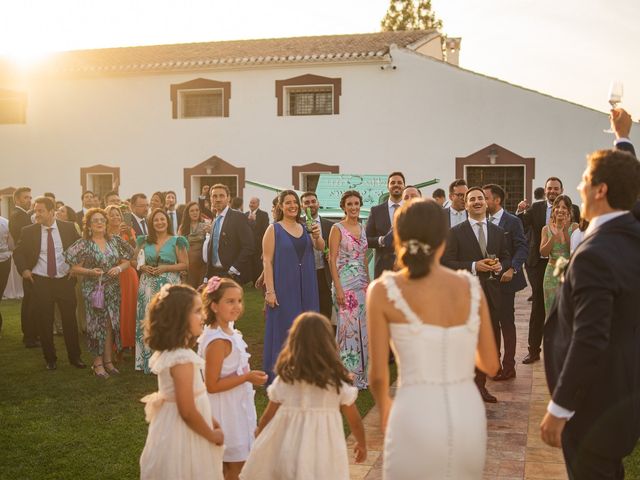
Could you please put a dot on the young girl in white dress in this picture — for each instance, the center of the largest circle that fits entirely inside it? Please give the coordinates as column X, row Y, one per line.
column 228, row 377
column 184, row 441
column 300, row 434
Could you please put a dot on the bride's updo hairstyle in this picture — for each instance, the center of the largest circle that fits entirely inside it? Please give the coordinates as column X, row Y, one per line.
column 420, row 227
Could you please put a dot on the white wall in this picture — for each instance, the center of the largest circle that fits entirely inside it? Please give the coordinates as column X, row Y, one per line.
column 417, row 118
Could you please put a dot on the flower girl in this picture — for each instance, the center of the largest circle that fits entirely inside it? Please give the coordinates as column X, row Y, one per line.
column 184, row 440
column 227, row 375
column 300, row 434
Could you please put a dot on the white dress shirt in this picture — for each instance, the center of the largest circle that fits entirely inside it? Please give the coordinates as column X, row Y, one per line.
column 173, row 216
column 139, row 220
column 392, row 211
column 62, row 268
column 473, row 224
column 457, row 217
column 5, row 251
column 553, row 408
column 496, row 217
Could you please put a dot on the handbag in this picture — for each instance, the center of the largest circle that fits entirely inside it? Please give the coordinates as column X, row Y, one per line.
column 97, row 296
column 141, row 260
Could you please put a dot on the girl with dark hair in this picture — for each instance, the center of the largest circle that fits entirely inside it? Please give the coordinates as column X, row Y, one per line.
column 227, row 372
column 289, row 273
column 438, row 323
column 350, row 274
column 555, row 243
column 164, row 257
column 184, row 439
column 300, row 434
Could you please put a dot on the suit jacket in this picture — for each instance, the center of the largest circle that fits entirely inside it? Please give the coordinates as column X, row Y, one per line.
column 28, row 249
column 379, row 225
column 518, row 249
column 534, row 218
column 448, row 210
column 592, row 339
column 17, row 221
column 259, row 226
column 236, row 246
column 178, row 220
column 463, row 249
column 136, row 227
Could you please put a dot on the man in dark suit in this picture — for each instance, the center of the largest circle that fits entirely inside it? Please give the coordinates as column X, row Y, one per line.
column 512, row 280
column 258, row 221
column 310, row 201
column 456, row 211
column 592, row 334
column 139, row 212
column 170, row 202
column 535, row 217
column 379, row 225
column 230, row 247
column 38, row 258
column 20, row 218
column 469, row 245
column 87, row 203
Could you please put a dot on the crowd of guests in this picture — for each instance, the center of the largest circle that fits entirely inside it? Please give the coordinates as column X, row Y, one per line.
column 140, row 262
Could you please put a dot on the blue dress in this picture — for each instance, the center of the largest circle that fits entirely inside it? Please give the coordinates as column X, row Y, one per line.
column 296, row 287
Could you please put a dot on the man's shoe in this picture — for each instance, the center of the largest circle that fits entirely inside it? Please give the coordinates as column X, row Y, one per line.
column 78, row 363
column 530, row 358
column 486, row 396
column 51, row 366
column 32, row 344
column 505, row 375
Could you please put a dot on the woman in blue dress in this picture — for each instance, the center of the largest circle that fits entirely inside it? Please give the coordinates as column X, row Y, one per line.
column 289, row 274
column 165, row 257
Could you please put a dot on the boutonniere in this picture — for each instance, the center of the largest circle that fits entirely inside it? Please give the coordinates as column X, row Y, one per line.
column 561, row 266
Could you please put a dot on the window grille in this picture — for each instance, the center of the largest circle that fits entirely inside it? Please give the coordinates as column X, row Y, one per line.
column 201, row 103
column 310, row 101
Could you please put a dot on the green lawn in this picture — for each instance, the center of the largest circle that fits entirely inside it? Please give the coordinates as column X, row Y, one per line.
column 70, row 424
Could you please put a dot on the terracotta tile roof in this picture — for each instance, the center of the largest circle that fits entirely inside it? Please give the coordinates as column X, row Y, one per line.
column 186, row 56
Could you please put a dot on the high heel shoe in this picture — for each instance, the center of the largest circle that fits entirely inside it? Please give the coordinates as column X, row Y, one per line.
column 97, row 374
column 111, row 371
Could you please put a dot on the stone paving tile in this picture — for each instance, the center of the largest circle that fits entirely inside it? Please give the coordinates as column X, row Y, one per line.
column 514, row 448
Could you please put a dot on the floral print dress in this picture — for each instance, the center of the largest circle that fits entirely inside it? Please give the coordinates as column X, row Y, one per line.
column 150, row 285
column 87, row 253
column 351, row 317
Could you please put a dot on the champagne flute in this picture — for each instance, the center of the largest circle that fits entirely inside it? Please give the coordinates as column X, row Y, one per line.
column 493, row 259
column 616, row 89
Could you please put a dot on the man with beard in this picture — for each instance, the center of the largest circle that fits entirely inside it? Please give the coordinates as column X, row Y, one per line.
column 535, row 217
column 310, row 200
column 480, row 247
column 379, row 227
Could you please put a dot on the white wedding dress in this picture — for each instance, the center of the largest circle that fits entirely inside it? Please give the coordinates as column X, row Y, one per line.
column 437, row 426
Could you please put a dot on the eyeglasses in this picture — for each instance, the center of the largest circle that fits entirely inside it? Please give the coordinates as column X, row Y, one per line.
column 99, row 220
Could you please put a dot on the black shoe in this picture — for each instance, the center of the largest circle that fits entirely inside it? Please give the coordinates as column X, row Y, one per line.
column 505, row 375
column 486, row 396
column 51, row 365
column 32, row 344
column 78, row 363
column 530, row 358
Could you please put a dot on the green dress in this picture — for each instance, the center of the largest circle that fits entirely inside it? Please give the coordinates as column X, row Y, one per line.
column 150, row 285
column 550, row 283
column 87, row 253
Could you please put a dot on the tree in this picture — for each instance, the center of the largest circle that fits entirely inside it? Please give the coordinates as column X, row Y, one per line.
column 410, row 15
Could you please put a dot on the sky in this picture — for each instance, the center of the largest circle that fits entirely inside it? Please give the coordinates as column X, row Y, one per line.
column 570, row 49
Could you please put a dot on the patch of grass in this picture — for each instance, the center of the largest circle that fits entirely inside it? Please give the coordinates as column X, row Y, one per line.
column 70, row 424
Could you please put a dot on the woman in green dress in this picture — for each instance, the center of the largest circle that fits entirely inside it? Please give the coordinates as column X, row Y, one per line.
column 165, row 257
column 99, row 258
column 555, row 243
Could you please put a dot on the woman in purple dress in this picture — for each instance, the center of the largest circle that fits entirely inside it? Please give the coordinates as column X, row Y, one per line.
column 289, row 274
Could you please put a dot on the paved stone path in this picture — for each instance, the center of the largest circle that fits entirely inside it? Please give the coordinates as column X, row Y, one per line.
column 514, row 448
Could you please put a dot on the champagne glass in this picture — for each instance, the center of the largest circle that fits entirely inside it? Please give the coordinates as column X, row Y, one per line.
column 616, row 89
column 493, row 259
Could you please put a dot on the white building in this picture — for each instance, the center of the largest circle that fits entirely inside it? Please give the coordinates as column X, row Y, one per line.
column 172, row 117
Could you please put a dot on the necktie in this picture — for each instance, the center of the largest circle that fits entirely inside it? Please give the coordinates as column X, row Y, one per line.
column 482, row 240
column 216, row 239
column 52, row 269
column 144, row 226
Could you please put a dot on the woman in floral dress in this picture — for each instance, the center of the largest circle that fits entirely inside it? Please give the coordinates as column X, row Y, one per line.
column 350, row 274
column 100, row 258
column 165, row 257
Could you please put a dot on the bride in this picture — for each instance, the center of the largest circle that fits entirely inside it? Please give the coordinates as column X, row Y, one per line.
column 439, row 326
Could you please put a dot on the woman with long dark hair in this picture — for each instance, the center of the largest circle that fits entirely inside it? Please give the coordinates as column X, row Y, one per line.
column 194, row 228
